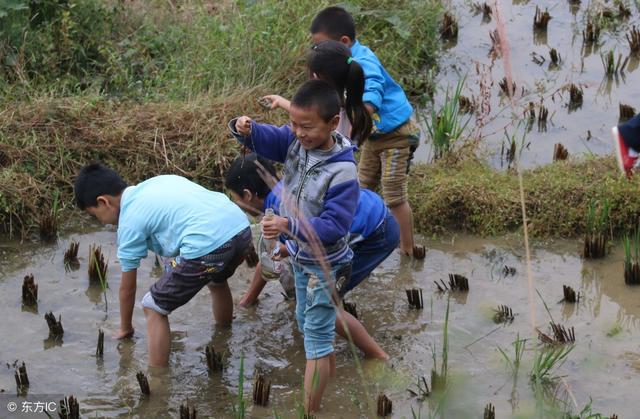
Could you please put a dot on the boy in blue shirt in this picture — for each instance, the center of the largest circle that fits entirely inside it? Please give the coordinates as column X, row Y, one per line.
column 174, row 217
column 387, row 153
column 320, row 191
column 374, row 235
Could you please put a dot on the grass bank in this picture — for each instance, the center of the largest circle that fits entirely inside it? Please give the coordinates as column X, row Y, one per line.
column 470, row 196
column 148, row 87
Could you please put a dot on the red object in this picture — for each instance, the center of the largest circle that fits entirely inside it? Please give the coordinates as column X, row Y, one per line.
column 625, row 161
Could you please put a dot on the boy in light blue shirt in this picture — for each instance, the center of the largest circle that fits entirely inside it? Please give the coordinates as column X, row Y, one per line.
column 207, row 234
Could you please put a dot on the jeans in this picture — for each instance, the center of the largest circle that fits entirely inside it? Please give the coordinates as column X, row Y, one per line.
column 315, row 309
column 371, row 252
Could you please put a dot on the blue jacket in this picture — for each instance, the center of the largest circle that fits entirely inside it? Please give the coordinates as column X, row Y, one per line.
column 173, row 216
column 380, row 90
column 320, row 201
column 370, row 212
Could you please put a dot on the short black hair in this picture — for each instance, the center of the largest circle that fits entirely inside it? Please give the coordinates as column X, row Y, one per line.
column 334, row 22
column 95, row 180
column 244, row 173
column 320, row 95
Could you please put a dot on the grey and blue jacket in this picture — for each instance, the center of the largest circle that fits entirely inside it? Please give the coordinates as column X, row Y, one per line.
column 319, row 201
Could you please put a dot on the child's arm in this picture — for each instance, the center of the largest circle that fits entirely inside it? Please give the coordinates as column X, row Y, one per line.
column 277, row 101
column 127, row 296
column 267, row 140
column 330, row 226
column 373, row 84
column 255, row 288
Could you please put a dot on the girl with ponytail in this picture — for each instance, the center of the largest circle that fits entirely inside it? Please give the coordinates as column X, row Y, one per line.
column 331, row 61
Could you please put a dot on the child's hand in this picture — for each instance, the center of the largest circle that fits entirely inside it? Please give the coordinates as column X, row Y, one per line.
column 272, row 227
column 277, row 101
column 243, row 125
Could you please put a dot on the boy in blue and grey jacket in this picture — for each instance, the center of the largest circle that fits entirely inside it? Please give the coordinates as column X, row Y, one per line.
column 320, row 195
column 386, row 155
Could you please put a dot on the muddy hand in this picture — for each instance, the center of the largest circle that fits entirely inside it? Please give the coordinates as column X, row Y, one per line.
column 243, row 125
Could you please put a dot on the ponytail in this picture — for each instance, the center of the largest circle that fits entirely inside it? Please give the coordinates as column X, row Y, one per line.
column 331, row 61
column 361, row 123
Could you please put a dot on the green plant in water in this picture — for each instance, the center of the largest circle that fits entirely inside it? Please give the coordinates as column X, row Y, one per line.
column 631, row 245
column 444, row 125
column 615, row 330
column 519, row 346
column 439, row 379
column 612, row 66
column 103, row 282
column 597, row 224
column 239, row 408
column 546, row 360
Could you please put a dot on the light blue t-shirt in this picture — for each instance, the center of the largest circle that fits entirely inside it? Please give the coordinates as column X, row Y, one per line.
column 173, row 216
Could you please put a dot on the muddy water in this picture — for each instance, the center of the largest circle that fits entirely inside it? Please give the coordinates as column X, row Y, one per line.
column 582, row 131
column 604, row 367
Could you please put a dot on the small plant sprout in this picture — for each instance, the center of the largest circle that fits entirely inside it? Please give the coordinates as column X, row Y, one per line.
column 69, row 408
column 626, row 112
column 633, row 37
column 143, row 382
column 570, row 295
column 543, row 114
column 449, row 28
column 613, row 67
column 439, row 379
column 541, row 19
column 261, row 390
column 555, row 58
column 385, row 406
column 48, row 222
column 489, row 411
column 483, row 8
column 466, row 105
column 22, row 379
column 240, row 408
column 519, row 347
column 422, row 391
column 458, row 283
column 97, row 264
column 546, row 360
column 55, row 326
column 444, row 125
column 415, row 299
column 29, row 291
column 590, row 34
column 508, row 270
column 595, row 241
column 187, row 412
column 575, row 97
column 503, row 314
column 631, row 245
column 507, row 90
column 71, row 256
column 100, row 345
column 559, row 152
column 215, row 361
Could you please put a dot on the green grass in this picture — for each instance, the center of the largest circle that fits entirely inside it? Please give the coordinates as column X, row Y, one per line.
column 546, row 360
column 465, row 194
column 519, row 347
column 631, row 246
column 148, row 87
column 240, row 408
column 445, row 125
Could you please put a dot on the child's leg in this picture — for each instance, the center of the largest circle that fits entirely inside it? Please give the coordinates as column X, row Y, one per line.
column 316, row 378
column 222, row 303
column 158, row 334
column 359, row 335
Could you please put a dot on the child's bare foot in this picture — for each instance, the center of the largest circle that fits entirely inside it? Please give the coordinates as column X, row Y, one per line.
column 124, row 333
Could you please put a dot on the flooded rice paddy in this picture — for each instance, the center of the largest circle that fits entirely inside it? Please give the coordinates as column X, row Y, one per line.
column 604, row 365
column 584, row 129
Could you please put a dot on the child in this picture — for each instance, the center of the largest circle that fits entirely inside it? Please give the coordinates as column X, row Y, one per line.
column 331, row 61
column 386, row 154
column 374, row 232
column 626, row 140
column 319, row 185
column 373, row 236
column 171, row 216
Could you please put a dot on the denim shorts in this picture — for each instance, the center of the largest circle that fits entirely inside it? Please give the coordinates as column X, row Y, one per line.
column 315, row 307
column 371, row 252
column 182, row 280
